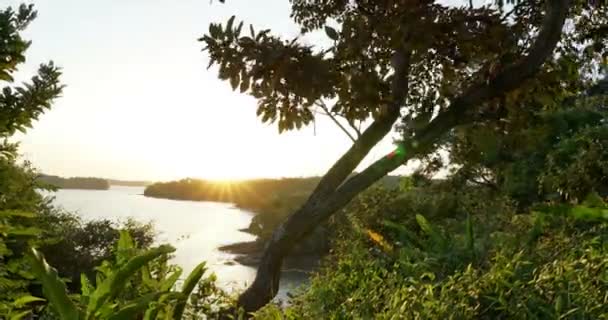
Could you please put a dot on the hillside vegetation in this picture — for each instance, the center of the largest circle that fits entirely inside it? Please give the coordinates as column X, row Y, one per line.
column 508, row 101
column 88, row 183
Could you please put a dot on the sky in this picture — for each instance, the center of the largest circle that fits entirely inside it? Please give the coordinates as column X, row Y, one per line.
column 139, row 103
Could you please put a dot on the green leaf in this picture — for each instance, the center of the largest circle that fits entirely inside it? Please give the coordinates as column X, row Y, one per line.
column 22, row 301
column 470, row 236
column 168, row 283
column 20, row 315
column 586, row 213
column 151, row 312
column 138, row 306
column 111, row 286
column 54, row 288
column 85, row 285
column 194, row 277
column 125, row 242
column 30, row 231
column 426, row 226
column 17, row 213
column 332, row 33
column 594, row 200
column 124, row 247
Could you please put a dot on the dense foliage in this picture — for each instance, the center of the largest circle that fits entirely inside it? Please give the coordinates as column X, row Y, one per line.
column 75, row 182
column 136, row 284
column 27, row 218
column 440, row 71
column 19, row 106
column 437, row 252
column 517, row 230
column 552, row 144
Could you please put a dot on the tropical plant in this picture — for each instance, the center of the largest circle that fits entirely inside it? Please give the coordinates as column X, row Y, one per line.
column 137, row 285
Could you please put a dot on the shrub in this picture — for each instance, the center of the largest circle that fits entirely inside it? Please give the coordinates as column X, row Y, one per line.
column 479, row 260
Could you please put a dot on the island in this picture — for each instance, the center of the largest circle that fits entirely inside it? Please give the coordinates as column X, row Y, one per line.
column 271, row 200
column 87, row 183
column 127, row 183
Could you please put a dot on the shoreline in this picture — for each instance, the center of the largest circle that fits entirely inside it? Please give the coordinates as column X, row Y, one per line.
column 249, row 253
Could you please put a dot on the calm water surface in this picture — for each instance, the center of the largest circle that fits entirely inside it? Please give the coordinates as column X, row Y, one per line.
column 195, row 229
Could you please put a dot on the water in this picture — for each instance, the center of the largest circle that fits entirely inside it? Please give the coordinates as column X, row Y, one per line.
column 195, row 229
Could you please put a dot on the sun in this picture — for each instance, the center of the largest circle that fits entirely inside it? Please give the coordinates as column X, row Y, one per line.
column 221, row 165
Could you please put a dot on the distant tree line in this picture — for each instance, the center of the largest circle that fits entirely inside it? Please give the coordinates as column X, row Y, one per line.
column 88, row 183
column 129, row 183
column 249, row 194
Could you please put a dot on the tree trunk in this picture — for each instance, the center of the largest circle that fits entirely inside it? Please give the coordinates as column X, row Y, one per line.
column 300, row 224
column 332, row 193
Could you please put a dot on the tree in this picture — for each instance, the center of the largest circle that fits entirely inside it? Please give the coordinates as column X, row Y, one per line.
column 435, row 67
column 20, row 105
column 518, row 156
column 19, row 200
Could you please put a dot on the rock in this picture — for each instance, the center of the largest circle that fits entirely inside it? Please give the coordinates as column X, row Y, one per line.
column 246, row 230
column 248, row 247
column 250, row 260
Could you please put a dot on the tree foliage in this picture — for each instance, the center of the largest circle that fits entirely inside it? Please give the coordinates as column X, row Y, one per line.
column 431, row 68
column 20, row 105
column 532, row 150
column 408, row 255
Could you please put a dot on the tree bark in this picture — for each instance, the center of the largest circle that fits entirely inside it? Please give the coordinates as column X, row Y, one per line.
column 333, row 193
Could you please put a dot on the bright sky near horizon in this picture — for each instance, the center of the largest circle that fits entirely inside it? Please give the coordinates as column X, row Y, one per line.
column 140, row 104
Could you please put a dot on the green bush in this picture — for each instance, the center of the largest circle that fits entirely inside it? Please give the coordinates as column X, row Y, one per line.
column 479, row 260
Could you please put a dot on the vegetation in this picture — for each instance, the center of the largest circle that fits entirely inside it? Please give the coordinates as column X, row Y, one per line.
column 469, row 256
column 27, row 219
column 129, row 183
column 138, row 284
column 271, row 199
column 471, row 67
column 19, row 106
column 75, row 182
column 255, row 195
column 518, row 229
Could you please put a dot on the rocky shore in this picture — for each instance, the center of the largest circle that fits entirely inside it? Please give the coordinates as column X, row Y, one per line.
column 249, row 253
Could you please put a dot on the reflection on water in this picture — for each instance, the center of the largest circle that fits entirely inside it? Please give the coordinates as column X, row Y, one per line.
column 195, row 229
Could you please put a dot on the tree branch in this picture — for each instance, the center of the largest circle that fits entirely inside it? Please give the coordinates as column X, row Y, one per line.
column 357, row 129
column 507, row 80
column 371, row 136
column 323, row 106
column 333, row 193
column 266, row 283
column 512, row 77
column 513, row 10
